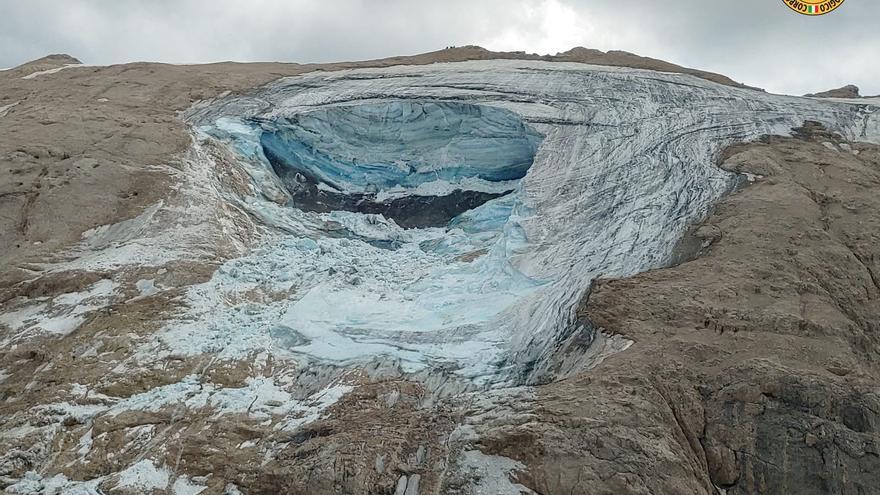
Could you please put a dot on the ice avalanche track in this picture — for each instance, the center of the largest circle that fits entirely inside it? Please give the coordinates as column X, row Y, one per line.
column 450, row 217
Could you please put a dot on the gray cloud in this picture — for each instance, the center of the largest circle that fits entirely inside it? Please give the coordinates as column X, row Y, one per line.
column 759, row 42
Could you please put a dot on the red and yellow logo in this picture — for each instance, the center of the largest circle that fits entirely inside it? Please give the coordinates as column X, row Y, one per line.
column 813, row 7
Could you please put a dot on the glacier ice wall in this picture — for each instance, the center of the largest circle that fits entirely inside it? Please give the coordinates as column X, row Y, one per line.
column 622, row 161
column 420, row 163
column 402, row 144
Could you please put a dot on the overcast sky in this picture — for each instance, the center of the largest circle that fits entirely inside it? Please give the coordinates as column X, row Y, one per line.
column 759, row 42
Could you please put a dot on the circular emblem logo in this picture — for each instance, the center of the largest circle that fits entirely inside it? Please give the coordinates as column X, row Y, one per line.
column 813, row 7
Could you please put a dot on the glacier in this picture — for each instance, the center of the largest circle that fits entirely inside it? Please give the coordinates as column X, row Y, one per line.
column 449, row 218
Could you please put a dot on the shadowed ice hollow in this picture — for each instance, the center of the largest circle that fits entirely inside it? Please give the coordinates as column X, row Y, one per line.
column 420, row 163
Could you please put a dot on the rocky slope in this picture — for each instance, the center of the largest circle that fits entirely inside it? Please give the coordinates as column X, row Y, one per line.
column 200, row 296
column 848, row 91
column 761, row 353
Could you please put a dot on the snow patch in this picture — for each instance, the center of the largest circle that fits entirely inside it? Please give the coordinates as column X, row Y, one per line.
column 5, row 108
column 34, row 484
column 60, row 325
column 85, row 444
column 495, row 474
column 59, row 316
column 184, row 486
column 22, row 317
column 444, row 187
column 55, row 70
column 144, row 476
column 80, row 412
column 261, row 398
column 146, row 288
column 19, row 432
column 310, row 410
column 231, row 489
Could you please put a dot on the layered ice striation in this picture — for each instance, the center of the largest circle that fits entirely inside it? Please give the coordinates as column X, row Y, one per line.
column 453, row 216
column 420, row 163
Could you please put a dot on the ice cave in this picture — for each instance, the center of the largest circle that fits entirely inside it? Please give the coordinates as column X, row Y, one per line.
column 420, row 163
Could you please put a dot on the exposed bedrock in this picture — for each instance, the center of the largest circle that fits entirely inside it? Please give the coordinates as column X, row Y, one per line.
column 408, row 211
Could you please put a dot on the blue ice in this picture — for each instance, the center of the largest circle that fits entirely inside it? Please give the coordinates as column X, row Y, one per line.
column 402, row 143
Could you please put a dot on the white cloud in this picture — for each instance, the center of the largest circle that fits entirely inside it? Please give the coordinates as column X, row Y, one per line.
column 547, row 26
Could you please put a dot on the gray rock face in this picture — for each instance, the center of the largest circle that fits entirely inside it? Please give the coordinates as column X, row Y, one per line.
column 848, row 91
column 772, row 429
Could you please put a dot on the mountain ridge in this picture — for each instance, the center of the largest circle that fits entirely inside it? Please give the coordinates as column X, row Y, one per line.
column 630, row 317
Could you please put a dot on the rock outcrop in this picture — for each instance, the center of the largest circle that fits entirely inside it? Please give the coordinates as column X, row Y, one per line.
column 766, row 344
column 848, row 91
